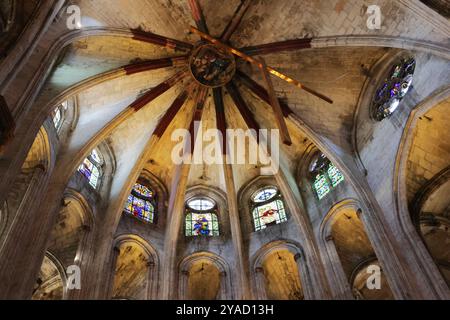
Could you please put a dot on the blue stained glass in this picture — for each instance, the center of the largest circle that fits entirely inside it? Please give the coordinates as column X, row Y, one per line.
column 394, row 89
column 202, row 224
column 90, row 171
column 142, row 190
column 201, row 227
column 265, row 195
column 95, row 156
column 141, row 208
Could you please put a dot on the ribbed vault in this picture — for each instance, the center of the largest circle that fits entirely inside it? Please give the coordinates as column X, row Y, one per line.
column 129, row 71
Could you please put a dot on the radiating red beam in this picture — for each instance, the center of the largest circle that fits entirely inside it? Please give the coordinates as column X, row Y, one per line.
column 199, row 104
column 275, row 47
column 254, row 61
column 170, row 114
column 197, row 15
column 161, row 40
column 261, row 92
column 155, row 92
column 221, row 122
column 235, row 20
column 155, row 64
column 243, row 109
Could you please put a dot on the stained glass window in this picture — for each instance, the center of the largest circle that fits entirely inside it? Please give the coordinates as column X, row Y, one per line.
column 90, row 168
column 265, row 195
column 268, row 208
column 393, row 89
column 57, row 117
column 201, row 218
column 322, row 186
column 201, row 204
column 141, row 203
column 335, row 175
column 202, row 224
column 325, row 175
column 95, row 156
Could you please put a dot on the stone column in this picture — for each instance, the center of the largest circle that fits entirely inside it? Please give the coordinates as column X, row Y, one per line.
column 260, row 286
column 13, row 283
column 385, row 253
column 112, row 273
column 174, row 221
column 177, row 198
column 151, row 281
column 82, row 260
column 236, row 235
column 224, row 287
column 339, row 285
column 182, row 284
column 291, row 194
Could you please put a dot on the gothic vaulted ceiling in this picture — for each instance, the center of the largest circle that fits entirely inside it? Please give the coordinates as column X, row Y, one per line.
column 337, row 72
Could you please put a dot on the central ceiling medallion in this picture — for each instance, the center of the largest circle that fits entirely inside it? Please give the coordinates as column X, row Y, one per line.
column 211, row 66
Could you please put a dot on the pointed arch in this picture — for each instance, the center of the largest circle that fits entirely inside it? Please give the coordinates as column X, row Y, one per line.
column 427, row 265
column 258, row 269
column 33, row 175
column 216, row 215
column 247, row 205
column 225, row 288
column 363, row 121
column 52, row 280
column 340, row 224
column 87, row 227
column 151, row 266
column 147, row 198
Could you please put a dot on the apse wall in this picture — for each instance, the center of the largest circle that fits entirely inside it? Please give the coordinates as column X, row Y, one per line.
column 383, row 138
column 153, row 233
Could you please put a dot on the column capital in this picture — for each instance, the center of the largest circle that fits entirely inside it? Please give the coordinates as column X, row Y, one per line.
column 259, row 270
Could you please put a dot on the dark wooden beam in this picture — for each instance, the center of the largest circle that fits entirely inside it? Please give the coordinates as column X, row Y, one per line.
column 235, row 20
column 221, row 122
column 286, row 138
column 261, row 92
column 252, row 60
column 275, row 47
column 168, row 117
column 155, row 92
column 197, row 15
column 161, row 40
column 243, row 109
column 155, row 64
